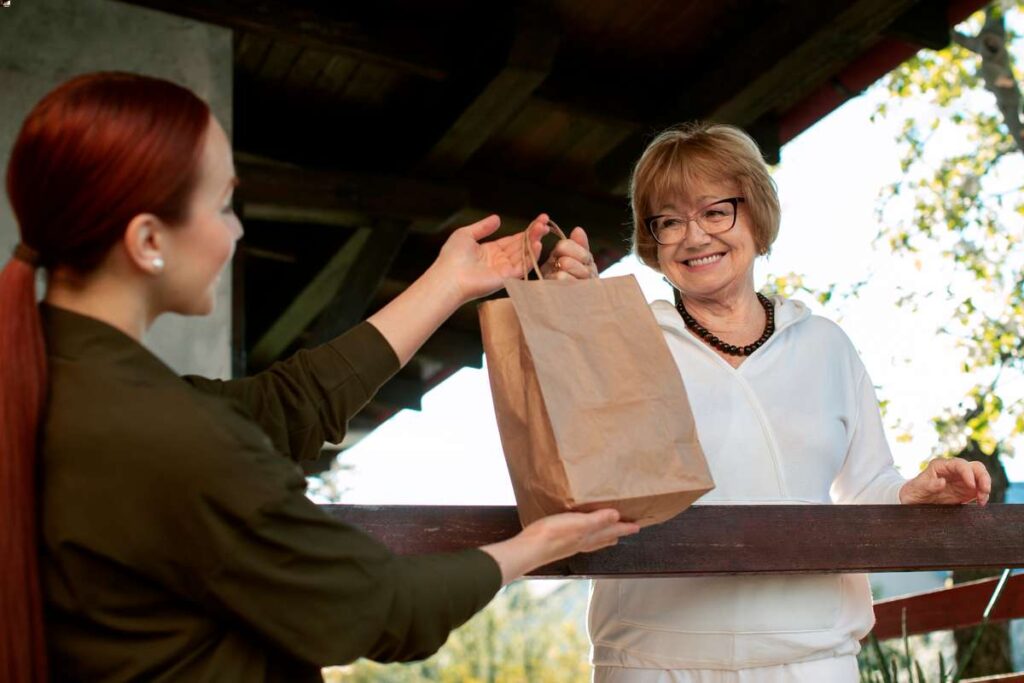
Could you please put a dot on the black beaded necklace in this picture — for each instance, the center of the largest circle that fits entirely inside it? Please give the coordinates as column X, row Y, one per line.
column 705, row 334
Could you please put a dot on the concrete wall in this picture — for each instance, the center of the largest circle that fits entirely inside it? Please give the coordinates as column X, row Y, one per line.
column 44, row 42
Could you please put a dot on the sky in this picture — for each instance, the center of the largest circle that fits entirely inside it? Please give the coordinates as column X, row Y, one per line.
column 829, row 182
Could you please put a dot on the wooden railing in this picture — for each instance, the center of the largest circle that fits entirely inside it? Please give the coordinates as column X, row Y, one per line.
column 959, row 606
column 713, row 539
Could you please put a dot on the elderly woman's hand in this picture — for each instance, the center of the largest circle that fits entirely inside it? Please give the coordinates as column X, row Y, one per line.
column 571, row 258
column 949, row 481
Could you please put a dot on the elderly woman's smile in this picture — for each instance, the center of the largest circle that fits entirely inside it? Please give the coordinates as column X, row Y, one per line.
column 700, row 262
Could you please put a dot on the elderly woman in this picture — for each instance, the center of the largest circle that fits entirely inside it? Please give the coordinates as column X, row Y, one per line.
column 785, row 411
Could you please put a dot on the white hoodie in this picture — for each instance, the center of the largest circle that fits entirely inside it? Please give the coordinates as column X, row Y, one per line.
column 796, row 422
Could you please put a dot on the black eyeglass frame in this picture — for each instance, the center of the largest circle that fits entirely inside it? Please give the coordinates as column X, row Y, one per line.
column 735, row 201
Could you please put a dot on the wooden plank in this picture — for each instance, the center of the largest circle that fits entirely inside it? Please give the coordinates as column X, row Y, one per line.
column 291, row 193
column 519, row 201
column 350, row 301
column 924, row 24
column 886, row 55
column 454, row 347
column 279, row 61
column 307, row 68
column 998, row 678
column 743, row 90
column 250, row 51
column 370, row 84
column 403, row 392
column 310, row 302
column 336, row 74
column 340, row 31
column 529, row 63
column 748, row 539
column 286, row 193
column 959, row 606
column 579, row 160
column 808, row 64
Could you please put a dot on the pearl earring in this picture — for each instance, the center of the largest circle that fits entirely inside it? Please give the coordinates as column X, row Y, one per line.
column 158, row 264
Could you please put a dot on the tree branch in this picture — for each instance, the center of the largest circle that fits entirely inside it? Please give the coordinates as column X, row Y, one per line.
column 998, row 72
column 971, row 43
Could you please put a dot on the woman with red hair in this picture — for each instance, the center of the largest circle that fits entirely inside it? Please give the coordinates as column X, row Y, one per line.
column 160, row 522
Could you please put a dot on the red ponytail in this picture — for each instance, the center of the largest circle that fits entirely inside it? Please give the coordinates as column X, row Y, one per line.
column 93, row 154
column 23, row 363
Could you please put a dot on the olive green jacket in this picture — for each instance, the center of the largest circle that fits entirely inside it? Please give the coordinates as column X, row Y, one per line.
column 177, row 542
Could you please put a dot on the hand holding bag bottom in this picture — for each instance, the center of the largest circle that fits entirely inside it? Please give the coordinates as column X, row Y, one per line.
column 591, row 408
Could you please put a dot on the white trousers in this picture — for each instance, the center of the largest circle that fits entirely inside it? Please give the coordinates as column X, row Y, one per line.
column 831, row 670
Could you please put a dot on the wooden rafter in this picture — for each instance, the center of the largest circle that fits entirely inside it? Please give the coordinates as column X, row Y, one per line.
column 341, row 31
column 310, row 302
column 293, row 194
column 349, row 303
column 925, row 24
column 810, row 64
column 529, row 63
column 732, row 91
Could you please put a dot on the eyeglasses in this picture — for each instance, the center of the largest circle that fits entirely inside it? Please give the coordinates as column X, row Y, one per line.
column 715, row 218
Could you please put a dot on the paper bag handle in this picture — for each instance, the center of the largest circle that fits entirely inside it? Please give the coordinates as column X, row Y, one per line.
column 533, row 259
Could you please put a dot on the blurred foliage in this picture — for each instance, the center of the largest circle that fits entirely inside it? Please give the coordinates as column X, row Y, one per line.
column 901, row 662
column 960, row 199
column 792, row 284
column 520, row 636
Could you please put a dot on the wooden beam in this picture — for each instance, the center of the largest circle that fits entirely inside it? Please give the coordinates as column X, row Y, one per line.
column 807, row 65
column 996, row 678
column 765, row 132
column 529, row 63
column 287, row 193
column 959, row 606
column 925, row 24
column 454, row 347
column 271, row 191
column 519, row 201
column 747, row 539
column 402, row 392
column 350, row 301
column 361, row 33
column 761, row 83
column 311, row 301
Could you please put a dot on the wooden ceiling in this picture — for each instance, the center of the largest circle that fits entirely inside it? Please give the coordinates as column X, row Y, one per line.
column 364, row 132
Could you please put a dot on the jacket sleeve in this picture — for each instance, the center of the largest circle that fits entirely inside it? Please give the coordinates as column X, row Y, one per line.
column 868, row 474
column 328, row 594
column 231, row 530
column 309, row 398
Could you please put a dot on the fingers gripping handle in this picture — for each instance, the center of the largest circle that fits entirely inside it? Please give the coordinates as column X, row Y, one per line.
column 533, row 259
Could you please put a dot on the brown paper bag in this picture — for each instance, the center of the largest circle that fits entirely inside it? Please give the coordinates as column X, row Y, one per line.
column 590, row 404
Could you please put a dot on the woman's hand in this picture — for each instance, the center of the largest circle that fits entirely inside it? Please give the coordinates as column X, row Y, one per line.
column 571, row 258
column 948, row 481
column 465, row 269
column 478, row 268
column 555, row 537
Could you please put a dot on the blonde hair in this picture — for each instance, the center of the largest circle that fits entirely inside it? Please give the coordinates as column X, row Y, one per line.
column 682, row 156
